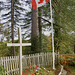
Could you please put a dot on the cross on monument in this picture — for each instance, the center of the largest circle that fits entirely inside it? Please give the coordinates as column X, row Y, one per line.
column 20, row 44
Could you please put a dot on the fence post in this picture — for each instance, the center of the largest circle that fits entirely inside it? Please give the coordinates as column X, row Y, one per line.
column 12, row 63
column 0, row 61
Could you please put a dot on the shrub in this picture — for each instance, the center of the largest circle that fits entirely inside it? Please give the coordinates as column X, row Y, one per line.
column 2, row 70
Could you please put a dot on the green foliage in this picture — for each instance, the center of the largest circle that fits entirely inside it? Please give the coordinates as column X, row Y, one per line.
column 65, row 25
column 4, row 50
column 71, row 69
column 45, row 44
column 25, row 50
column 35, row 44
column 2, row 70
column 7, row 51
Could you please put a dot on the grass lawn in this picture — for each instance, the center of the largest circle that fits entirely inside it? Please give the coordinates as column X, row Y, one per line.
column 70, row 69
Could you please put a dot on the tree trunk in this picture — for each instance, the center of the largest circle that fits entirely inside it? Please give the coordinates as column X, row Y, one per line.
column 40, row 29
column 34, row 34
column 74, row 49
column 12, row 25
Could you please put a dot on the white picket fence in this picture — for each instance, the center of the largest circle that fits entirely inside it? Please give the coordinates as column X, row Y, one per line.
column 40, row 59
column 11, row 64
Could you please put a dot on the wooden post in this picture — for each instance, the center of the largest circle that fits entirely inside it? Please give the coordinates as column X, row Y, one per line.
column 20, row 44
column 20, row 56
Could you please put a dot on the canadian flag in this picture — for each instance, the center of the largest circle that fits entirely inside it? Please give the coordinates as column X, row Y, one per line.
column 38, row 3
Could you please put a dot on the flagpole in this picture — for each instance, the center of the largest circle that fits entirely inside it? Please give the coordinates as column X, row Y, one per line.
column 52, row 36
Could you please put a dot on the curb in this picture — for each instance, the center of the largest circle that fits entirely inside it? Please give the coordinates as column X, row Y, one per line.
column 61, row 70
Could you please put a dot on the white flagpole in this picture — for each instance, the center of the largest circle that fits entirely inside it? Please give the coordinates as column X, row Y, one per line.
column 52, row 36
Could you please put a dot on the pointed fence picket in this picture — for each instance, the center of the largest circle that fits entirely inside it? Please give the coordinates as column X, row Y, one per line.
column 40, row 59
column 11, row 63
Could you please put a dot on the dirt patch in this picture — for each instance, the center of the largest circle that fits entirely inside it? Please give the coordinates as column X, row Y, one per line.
column 70, row 70
column 57, row 72
column 58, row 68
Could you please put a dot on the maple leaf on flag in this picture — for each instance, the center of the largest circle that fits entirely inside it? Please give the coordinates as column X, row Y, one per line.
column 38, row 3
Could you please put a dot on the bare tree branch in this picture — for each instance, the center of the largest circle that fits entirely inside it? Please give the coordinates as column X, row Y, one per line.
column 49, row 21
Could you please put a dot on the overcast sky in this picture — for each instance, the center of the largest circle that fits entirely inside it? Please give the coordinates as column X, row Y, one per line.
column 47, row 33
column 3, row 0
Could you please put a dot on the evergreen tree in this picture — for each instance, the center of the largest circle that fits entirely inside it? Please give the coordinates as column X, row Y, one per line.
column 64, row 18
column 12, row 15
column 34, row 34
column 12, row 25
column 40, row 28
column 18, row 15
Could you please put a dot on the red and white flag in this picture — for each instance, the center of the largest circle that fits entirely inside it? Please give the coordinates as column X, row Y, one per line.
column 38, row 3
